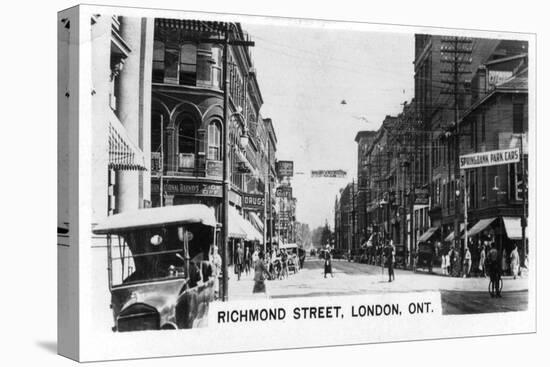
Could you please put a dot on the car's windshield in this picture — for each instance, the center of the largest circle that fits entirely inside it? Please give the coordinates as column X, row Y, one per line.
column 142, row 255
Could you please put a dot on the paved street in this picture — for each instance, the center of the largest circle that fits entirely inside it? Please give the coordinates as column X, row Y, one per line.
column 459, row 295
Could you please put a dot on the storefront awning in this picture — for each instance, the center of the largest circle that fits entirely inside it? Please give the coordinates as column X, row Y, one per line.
column 426, row 235
column 513, row 227
column 257, row 221
column 236, row 229
column 451, row 235
column 252, row 233
column 123, row 153
column 480, row 226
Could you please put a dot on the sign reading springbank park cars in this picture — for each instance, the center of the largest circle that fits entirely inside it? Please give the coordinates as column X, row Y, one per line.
column 224, row 187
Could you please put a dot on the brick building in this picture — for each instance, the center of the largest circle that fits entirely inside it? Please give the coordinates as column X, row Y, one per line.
column 187, row 123
column 492, row 114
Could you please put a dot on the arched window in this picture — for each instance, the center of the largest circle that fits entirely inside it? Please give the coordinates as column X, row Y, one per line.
column 214, row 141
column 188, row 64
column 187, row 142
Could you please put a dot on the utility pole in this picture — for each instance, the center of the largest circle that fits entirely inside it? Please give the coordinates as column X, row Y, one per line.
column 523, row 252
column 225, row 178
column 161, row 162
column 404, row 205
column 456, row 51
column 353, row 237
column 226, row 166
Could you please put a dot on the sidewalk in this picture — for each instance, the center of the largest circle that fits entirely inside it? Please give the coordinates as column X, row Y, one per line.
column 438, row 271
column 242, row 289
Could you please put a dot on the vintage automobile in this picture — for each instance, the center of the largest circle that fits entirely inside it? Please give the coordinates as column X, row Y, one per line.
column 293, row 260
column 424, row 257
column 158, row 269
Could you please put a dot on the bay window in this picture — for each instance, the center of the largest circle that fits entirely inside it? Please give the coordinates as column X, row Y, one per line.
column 188, row 64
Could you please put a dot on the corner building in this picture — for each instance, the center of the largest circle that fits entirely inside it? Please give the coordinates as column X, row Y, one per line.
column 187, row 120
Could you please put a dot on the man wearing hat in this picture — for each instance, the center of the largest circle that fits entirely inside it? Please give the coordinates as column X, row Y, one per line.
column 328, row 262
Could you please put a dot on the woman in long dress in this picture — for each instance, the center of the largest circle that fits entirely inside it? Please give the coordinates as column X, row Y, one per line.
column 482, row 259
column 328, row 262
column 504, row 264
column 259, row 274
column 216, row 267
column 514, row 262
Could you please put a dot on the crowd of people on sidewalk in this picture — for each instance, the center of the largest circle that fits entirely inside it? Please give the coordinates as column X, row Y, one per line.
column 271, row 265
column 467, row 265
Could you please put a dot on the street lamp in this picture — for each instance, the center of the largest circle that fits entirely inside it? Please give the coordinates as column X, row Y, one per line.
column 244, row 139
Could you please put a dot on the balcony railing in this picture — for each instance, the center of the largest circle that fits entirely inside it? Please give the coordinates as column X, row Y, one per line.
column 186, row 165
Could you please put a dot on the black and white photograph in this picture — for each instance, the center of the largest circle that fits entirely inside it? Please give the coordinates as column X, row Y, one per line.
column 223, row 174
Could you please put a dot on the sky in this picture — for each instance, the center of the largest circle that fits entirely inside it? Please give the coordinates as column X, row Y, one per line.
column 304, row 74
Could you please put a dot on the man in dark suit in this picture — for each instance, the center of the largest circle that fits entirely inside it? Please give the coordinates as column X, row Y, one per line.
column 239, row 261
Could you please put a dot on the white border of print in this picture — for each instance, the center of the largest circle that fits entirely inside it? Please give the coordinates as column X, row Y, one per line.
column 99, row 343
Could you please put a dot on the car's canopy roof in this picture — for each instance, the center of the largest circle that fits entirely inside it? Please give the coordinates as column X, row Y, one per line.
column 288, row 245
column 157, row 217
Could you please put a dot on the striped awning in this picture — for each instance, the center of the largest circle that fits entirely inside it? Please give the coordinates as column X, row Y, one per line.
column 124, row 155
column 257, row 221
column 236, row 229
column 513, row 227
column 451, row 235
column 252, row 234
column 429, row 233
column 479, row 226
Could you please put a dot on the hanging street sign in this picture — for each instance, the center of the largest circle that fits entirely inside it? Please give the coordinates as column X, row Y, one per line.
column 253, row 201
column 285, row 168
column 329, row 173
column 283, row 192
column 490, row 158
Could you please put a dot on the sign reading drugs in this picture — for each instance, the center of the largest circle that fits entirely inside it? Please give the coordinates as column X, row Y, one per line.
column 491, row 158
column 253, row 201
column 285, row 168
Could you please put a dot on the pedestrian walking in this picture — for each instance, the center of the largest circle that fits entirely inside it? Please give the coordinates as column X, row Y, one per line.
column 494, row 270
column 467, row 262
column 389, row 253
column 284, row 263
column 260, row 270
column 255, row 257
column 247, row 260
column 217, row 270
column 514, row 262
column 452, row 259
column 443, row 264
column 328, row 262
column 239, row 261
column 504, row 267
column 482, row 260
